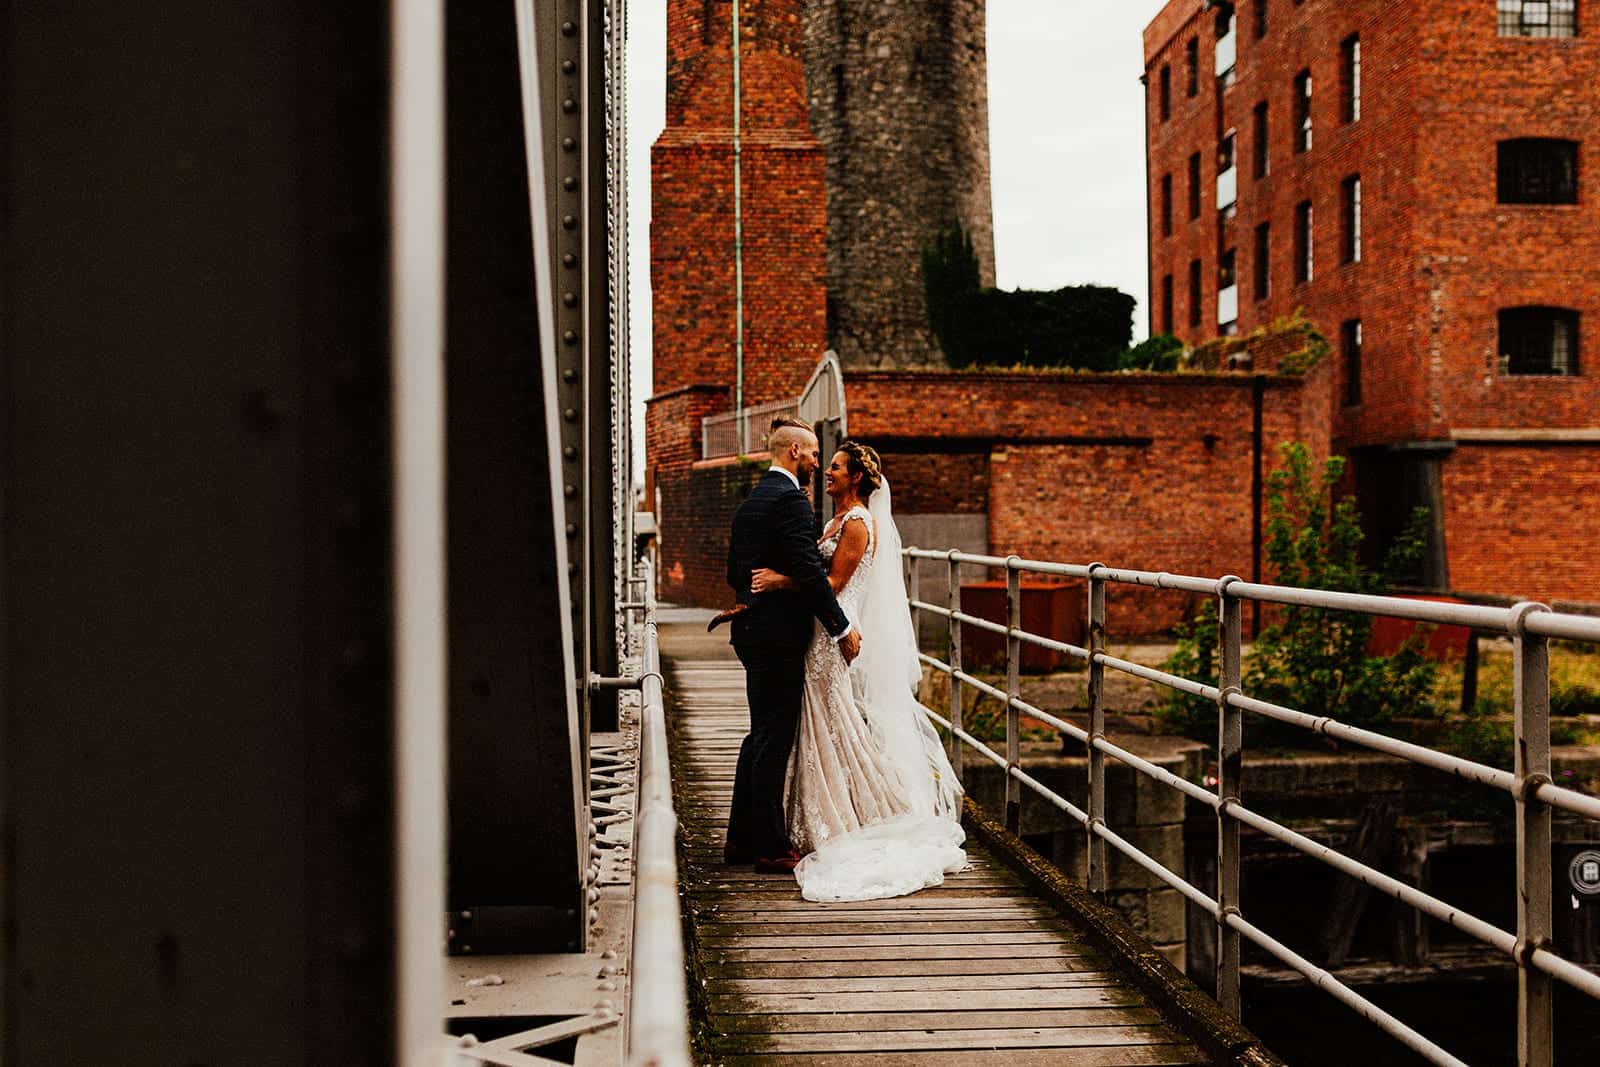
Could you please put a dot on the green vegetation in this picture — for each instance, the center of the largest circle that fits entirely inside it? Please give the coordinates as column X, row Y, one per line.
column 1087, row 327
column 1310, row 659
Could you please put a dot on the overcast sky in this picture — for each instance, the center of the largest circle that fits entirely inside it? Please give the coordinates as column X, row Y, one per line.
column 1066, row 130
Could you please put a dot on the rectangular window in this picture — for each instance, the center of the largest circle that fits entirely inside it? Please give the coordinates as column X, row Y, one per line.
column 1302, row 111
column 1350, row 78
column 1261, row 19
column 1538, row 170
column 1164, row 90
column 1194, row 292
column 1191, row 66
column 1166, row 205
column 1263, row 261
column 1350, row 343
column 1538, row 340
column 1258, row 139
column 1303, row 244
column 1351, row 212
column 1194, row 185
column 1537, row 18
column 1227, row 269
column 1166, row 304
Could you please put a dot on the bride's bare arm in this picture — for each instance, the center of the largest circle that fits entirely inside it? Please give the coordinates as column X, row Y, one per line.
column 846, row 558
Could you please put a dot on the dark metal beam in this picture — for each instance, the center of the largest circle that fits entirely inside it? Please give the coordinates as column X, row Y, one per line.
column 196, row 700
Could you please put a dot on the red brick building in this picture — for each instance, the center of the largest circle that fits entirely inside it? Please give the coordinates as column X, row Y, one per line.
column 1414, row 176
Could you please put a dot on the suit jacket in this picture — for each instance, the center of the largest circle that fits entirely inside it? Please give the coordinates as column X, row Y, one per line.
column 774, row 527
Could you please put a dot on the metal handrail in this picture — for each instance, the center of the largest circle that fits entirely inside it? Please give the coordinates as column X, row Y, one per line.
column 658, row 1026
column 1531, row 625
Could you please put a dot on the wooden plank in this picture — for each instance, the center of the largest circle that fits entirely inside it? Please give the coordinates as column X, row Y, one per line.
column 885, row 927
column 1063, row 1037
column 711, row 914
column 965, row 940
column 929, row 1000
column 933, row 1020
column 1125, row 1056
column 962, row 966
column 823, row 953
column 926, row 900
column 717, row 986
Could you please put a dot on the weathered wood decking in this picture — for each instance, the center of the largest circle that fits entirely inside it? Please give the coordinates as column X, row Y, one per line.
column 974, row 972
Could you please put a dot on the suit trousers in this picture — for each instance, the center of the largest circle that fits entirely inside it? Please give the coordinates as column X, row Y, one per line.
column 774, row 680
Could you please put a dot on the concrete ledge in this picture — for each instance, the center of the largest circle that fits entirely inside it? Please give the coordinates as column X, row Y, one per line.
column 1183, row 1003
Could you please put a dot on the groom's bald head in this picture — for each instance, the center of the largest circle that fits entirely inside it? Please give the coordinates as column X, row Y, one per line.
column 793, row 447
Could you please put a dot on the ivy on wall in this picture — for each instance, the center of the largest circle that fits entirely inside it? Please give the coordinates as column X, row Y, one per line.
column 1087, row 327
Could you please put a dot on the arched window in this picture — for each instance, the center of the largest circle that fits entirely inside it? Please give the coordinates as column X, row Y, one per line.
column 1538, row 340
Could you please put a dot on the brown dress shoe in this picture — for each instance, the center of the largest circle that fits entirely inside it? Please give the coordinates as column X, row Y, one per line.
column 784, row 864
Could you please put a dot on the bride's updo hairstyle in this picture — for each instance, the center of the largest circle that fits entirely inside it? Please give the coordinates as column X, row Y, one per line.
column 863, row 460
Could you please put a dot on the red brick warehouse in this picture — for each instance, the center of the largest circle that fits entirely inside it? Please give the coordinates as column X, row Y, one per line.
column 1414, row 177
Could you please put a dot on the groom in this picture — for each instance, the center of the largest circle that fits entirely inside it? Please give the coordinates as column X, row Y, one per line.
column 774, row 528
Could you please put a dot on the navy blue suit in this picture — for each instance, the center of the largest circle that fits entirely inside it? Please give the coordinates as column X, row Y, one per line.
column 775, row 528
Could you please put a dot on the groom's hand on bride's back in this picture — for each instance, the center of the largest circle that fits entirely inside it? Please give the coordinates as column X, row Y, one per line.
column 850, row 645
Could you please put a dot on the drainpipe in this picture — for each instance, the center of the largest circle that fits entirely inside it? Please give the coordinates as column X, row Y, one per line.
column 738, row 248
column 1149, row 216
column 1257, row 392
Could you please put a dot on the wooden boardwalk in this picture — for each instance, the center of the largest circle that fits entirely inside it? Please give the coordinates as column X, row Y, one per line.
column 974, row 972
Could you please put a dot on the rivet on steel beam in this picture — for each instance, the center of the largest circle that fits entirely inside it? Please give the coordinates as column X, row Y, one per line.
column 568, row 67
column 569, row 375
column 569, row 105
column 569, row 183
column 570, row 299
column 570, row 337
column 569, row 144
column 572, row 529
column 571, row 414
column 568, row 29
column 569, row 222
column 571, row 491
column 570, row 452
column 570, row 259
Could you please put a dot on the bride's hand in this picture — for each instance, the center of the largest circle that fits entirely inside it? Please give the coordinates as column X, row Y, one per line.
column 765, row 580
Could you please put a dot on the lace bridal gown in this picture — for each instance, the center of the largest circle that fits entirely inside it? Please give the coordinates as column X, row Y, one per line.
column 870, row 796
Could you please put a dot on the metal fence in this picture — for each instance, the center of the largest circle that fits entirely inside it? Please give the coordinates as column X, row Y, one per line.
column 1535, row 795
column 734, row 433
column 658, row 1028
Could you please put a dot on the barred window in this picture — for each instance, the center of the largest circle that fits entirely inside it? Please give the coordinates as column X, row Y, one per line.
column 1538, row 170
column 1194, row 292
column 1538, row 340
column 1351, row 204
column 1350, row 343
column 1350, row 78
column 1263, row 261
column 1302, row 111
column 1258, row 136
column 1194, row 185
column 1303, row 245
column 1537, row 18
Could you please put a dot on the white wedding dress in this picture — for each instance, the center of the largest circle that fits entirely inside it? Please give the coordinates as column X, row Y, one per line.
column 870, row 796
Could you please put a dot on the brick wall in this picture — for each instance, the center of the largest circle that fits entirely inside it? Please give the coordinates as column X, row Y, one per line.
column 1519, row 520
column 697, row 508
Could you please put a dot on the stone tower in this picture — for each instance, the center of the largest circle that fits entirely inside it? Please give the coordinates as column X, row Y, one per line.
column 899, row 99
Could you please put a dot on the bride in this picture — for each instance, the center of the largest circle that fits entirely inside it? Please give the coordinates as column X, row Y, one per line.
column 870, row 797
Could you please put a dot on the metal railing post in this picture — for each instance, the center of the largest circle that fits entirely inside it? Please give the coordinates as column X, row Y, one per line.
column 957, row 761
column 1097, row 729
column 1230, row 765
column 1531, row 678
column 914, row 595
column 1013, row 691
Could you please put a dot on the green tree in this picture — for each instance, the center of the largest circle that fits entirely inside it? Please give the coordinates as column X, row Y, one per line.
column 1312, row 659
